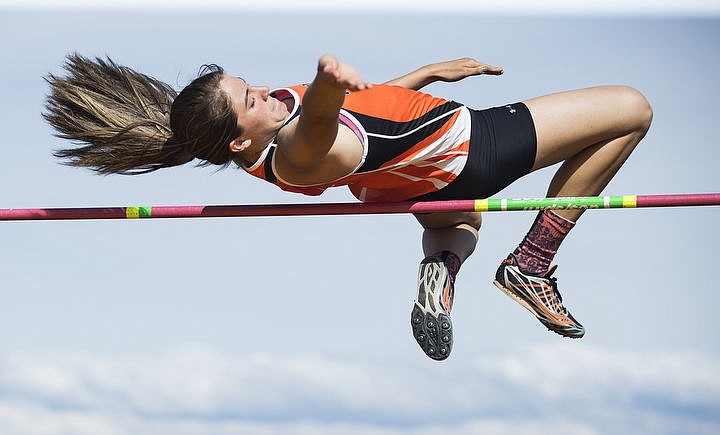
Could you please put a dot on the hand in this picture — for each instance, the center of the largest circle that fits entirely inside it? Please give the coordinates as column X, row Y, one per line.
column 454, row 70
column 340, row 74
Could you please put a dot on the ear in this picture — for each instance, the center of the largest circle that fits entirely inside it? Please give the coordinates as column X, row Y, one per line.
column 238, row 145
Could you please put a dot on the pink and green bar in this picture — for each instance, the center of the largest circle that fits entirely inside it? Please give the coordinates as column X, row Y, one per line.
column 317, row 209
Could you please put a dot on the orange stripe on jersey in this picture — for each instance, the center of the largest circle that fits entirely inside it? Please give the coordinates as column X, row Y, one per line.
column 392, row 103
column 396, row 186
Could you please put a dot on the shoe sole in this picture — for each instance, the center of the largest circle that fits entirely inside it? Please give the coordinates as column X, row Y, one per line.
column 570, row 332
column 431, row 327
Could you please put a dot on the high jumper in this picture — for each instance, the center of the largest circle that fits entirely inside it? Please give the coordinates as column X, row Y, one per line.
column 387, row 142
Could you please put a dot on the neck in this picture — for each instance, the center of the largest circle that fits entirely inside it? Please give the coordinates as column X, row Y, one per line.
column 250, row 157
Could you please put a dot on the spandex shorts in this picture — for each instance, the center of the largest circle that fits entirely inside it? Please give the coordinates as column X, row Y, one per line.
column 503, row 144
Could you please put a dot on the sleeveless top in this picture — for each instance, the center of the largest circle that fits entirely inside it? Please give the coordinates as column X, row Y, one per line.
column 413, row 143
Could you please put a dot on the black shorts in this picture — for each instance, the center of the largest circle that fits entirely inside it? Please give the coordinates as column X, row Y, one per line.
column 503, row 145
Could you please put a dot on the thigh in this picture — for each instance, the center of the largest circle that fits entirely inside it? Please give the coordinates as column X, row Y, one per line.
column 568, row 122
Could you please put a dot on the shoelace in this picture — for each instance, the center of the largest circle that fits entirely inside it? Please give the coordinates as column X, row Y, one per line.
column 558, row 305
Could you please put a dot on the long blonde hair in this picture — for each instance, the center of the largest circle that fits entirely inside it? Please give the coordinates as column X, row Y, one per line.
column 125, row 122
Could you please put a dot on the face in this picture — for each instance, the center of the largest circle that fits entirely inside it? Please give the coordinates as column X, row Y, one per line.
column 259, row 115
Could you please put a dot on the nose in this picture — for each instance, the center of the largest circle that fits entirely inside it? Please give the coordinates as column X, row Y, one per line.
column 262, row 91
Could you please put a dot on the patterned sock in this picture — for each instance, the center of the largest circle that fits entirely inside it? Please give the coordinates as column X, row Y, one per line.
column 452, row 262
column 538, row 248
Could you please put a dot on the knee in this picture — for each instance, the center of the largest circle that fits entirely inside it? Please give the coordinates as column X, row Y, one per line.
column 474, row 220
column 639, row 108
column 446, row 220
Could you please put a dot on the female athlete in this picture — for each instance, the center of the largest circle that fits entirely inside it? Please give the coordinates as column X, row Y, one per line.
column 387, row 142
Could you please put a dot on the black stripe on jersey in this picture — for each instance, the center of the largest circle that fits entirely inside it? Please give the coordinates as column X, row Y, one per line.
column 294, row 115
column 269, row 174
column 382, row 150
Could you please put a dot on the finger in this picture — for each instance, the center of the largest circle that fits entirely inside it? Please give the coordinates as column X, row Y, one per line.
column 492, row 70
column 359, row 86
column 327, row 64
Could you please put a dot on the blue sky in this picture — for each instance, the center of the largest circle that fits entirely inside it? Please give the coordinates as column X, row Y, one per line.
column 301, row 325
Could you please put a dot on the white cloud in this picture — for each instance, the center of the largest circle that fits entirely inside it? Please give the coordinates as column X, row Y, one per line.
column 28, row 419
column 553, row 371
column 621, row 7
column 194, row 390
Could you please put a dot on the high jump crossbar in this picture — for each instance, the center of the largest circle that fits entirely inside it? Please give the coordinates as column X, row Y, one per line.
column 471, row 205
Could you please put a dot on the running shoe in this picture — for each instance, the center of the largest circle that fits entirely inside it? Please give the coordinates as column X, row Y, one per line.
column 430, row 317
column 540, row 295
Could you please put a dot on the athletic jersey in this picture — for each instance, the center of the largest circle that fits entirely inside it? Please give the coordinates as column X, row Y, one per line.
column 413, row 143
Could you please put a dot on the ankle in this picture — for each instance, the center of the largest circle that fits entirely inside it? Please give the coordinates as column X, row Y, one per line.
column 452, row 262
column 537, row 250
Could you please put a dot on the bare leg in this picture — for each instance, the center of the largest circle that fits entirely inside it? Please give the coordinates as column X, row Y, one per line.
column 593, row 131
column 454, row 232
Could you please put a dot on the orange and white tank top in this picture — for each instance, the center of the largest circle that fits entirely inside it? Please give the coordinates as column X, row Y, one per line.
column 413, row 143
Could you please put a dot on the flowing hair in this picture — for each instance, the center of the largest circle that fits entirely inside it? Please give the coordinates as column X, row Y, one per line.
column 125, row 122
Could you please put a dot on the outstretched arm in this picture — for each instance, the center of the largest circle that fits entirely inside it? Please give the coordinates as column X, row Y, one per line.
column 450, row 71
column 317, row 127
